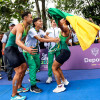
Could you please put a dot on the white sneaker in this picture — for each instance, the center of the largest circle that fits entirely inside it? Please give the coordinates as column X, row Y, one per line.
column 65, row 82
column 59, row 88
column 49, row 80
column 0, row 77
column 29, row 79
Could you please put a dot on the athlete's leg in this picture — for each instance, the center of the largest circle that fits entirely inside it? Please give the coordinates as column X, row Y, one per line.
column 32, row 71
column 59, row 69
column 24, row 68
column 18, row 72
column 55, row 67
column 37, row 61
column 61, row 74
column 32, row 67
column 50, row 62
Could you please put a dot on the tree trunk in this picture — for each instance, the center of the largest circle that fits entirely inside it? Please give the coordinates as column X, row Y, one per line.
column 44, row 15
column 38, row 9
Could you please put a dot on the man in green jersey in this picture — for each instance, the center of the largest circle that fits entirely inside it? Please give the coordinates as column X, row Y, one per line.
column 15, row 58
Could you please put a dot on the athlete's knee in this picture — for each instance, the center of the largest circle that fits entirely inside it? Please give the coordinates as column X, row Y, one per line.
column 24, row 67
column 54, row 68
column 19, row 73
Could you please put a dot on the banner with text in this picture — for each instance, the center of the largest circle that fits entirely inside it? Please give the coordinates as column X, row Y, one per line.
column 88, row 59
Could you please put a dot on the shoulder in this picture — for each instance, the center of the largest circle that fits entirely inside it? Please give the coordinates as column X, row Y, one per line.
column 59, row 29
column 4, row 36
column 19, row 27
column 32, row 30
column 41, row 31
column 50, row 29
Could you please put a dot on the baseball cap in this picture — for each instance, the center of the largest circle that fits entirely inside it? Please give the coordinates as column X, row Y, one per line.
column 11, row 24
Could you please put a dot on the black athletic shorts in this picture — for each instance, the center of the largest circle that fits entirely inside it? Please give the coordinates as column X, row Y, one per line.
column 63, row 56
column 14, row 56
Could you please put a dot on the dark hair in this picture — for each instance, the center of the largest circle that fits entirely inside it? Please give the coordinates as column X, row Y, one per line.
column 34, row 20
column 67, row 23
column 25, row 14
column 49, row 16
column 52, row 20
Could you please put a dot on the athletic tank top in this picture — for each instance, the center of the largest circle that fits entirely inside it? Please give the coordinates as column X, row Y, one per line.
column 63, row 44
column 12, row 38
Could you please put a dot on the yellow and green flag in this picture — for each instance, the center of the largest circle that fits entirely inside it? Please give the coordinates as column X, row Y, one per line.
column 85, row 30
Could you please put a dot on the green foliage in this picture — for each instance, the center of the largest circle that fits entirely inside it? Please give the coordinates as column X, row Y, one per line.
column 93, row 11
column 12, row 10
column 89, row 8
column 65, row 5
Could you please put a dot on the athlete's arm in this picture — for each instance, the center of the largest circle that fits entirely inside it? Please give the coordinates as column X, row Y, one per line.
column 19, row 33
column 47, row 39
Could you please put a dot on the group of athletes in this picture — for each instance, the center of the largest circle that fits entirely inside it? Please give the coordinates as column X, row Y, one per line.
column 29, row 39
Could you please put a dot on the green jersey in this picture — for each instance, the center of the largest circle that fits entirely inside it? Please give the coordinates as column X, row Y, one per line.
column 12, row 39
column 63, row 44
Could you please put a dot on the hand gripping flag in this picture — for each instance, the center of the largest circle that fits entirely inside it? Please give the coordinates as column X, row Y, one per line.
column 85, row 30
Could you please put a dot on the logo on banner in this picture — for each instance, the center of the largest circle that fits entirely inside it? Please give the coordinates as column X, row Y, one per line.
column 95, row 51
column 44, row 58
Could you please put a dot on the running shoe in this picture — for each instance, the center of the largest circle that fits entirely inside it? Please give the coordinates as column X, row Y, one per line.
column 49, row 80
column 18, row 97
column 0, row 77
column 22, row 89
column 65, row 82
column 37, row 80
column 59, row 88
column 35, row 89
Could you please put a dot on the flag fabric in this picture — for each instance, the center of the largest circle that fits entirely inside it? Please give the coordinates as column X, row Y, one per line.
column 85, row 30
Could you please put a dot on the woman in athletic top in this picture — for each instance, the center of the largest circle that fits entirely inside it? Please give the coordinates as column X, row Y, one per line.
column 64, row 56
